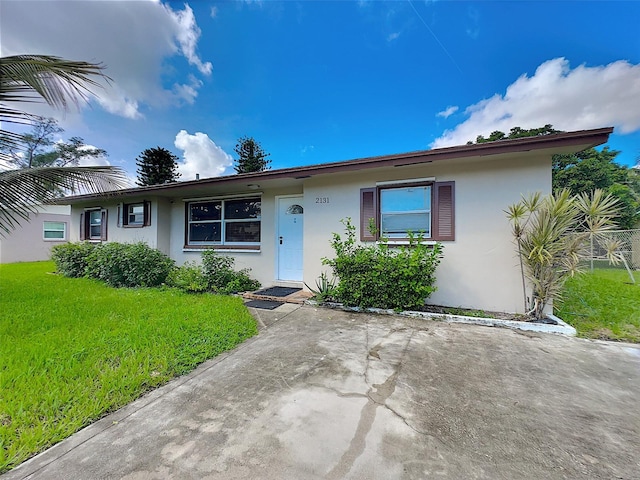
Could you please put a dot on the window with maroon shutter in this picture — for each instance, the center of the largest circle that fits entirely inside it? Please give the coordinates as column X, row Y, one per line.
column 93, row 225
column 444, row 211
column 134, row 214
column 368, row 214
column 421, row 207
column 103, row 225
column 83, row 227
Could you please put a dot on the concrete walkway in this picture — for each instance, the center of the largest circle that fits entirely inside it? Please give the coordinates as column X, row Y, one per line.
column 323, row 394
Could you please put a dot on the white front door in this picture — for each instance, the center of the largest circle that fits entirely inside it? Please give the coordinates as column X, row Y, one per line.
column 289, row 238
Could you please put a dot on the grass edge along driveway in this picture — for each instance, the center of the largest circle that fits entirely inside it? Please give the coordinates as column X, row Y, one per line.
column 73, row 350
column 602, row 304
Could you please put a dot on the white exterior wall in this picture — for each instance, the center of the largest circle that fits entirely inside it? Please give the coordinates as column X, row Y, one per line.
column 261, row 262
column 26, row 243
column 148, row 234
column 480, row 268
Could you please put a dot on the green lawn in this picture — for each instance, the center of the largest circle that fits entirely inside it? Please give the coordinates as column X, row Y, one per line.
column 72, row 350
column 603, row 304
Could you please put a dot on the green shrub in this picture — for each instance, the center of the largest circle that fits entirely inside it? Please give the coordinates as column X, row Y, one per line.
column 71, row 258
column 189, row 278
column 129, row 265
column 241, row 283
column 222, row 278
column 381, row 276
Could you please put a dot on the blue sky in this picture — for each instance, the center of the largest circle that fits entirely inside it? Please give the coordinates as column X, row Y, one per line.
column 334, row 80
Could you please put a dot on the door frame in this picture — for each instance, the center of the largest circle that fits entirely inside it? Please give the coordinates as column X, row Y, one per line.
column 277, row 281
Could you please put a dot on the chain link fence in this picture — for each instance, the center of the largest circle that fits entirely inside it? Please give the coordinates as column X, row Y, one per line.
column 627, row 243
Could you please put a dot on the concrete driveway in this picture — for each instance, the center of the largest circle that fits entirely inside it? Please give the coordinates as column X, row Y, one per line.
column 324, row 394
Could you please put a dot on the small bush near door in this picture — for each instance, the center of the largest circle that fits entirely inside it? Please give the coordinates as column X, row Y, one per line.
column 382, row 276
column 216, row 274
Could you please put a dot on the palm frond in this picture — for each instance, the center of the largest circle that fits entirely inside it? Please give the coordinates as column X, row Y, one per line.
column 23, row 190
column 27, row 78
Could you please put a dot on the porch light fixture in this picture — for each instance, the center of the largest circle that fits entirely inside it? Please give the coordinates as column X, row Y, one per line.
column 253, row 186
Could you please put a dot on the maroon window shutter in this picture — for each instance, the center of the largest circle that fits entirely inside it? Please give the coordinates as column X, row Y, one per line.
column 444, row 225
column 103, row 225
column 368, row 211
column 147, row 214
column 83, row 227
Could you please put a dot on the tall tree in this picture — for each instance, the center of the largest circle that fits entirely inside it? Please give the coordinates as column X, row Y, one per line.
column 157, row 166
column 58, row 82
column 516, row 132
column 590, row 169
column 40, row 138
column 251, row 156
column 39, row 147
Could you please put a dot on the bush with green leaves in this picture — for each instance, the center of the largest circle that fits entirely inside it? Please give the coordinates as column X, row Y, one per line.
column 221, row 276
column 383, row 276
column 216, row 274
column 128, row 265
column 188, row 277
column 71, row 258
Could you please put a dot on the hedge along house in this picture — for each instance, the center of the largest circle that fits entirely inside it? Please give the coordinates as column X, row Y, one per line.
column 280, row 222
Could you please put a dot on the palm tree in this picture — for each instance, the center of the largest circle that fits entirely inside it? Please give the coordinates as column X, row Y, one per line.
column 59, row 82
column 552, row 236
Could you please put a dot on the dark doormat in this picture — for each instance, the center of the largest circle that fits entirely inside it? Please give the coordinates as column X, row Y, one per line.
column 265, row 304
column 277, row 291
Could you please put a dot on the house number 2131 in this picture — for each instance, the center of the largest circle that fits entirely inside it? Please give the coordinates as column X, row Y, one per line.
column 322, row 199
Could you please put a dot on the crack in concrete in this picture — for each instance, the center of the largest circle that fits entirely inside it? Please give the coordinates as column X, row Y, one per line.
column 338, row 392
column 377, row 396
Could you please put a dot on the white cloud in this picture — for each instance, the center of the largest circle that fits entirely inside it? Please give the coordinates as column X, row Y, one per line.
column 213, row 12
column 393, row 36
column 200, row 155
column 582, row 98
column 93, row 161
column 188, row 92
column 473, row 15
column 307, row 149
column 132, row 39
column 188, row 34
column 446, row 113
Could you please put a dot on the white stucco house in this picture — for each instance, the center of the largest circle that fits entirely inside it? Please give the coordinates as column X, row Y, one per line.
column 279, row 223
column 32, row 240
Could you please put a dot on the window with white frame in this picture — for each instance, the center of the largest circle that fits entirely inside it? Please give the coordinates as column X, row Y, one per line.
column 93, row 224
column 405, row 209
column 234, row 221
column 54, row 230
column 392, row 211
column 134, row 214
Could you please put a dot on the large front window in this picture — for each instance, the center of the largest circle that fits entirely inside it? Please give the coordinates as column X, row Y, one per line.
column 404, row 210
column 224, row 222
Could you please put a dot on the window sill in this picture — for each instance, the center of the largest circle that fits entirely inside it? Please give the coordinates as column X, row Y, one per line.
column 225, row 248
column 399, row 242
